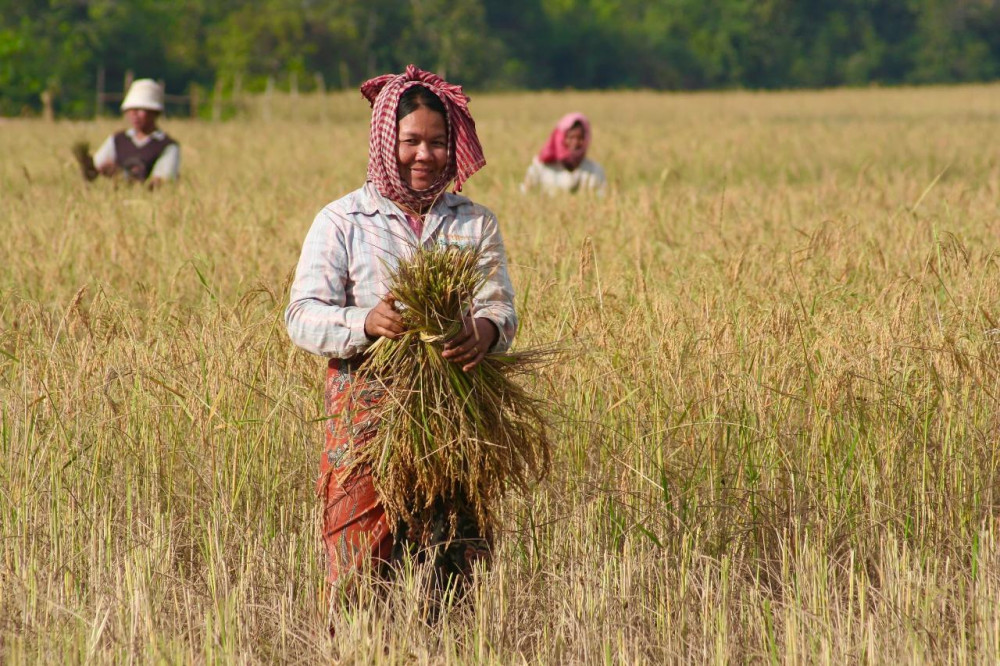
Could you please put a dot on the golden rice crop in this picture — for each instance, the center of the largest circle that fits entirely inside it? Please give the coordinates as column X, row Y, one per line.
column 776, row 438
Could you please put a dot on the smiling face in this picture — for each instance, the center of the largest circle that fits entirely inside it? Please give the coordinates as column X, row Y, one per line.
column 143, row 121
column 422, row 148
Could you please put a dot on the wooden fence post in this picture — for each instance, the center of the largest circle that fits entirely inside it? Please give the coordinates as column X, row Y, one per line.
column 237, row 96
column 321, row 92
column 99, row 100
column 345, row 76
column 268, row 93
column 47, row 113
column 193, row 99
column 217, row 101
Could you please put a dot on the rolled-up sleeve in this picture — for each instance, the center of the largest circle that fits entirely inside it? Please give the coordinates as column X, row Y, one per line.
column 105, row 155
column 495, row 301
column 318, row 317
column 168, row 164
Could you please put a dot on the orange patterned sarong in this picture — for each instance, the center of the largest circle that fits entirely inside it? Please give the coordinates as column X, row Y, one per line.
column 355, row 530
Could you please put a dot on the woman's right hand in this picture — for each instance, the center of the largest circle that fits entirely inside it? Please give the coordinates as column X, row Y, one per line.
column 383, row 320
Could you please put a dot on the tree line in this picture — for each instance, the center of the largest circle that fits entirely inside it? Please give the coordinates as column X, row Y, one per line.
column 59, row 45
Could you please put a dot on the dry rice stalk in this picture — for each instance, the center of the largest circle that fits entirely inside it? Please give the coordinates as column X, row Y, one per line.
column 81, row 151
column 445, row 435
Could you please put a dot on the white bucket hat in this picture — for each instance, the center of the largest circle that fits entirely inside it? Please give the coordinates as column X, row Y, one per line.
column 144, row 94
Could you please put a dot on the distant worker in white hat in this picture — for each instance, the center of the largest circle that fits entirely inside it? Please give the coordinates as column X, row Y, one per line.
column 143, row 153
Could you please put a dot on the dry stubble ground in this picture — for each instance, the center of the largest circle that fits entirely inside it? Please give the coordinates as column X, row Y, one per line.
column 777, row 436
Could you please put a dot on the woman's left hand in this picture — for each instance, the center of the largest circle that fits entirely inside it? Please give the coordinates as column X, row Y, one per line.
column 470, row 345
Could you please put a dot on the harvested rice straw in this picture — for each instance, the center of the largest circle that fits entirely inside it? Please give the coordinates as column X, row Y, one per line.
column 444, row 434
column 81, row 151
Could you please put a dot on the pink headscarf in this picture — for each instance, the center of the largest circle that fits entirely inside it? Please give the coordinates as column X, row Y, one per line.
column 555, row 149
column 465, row 154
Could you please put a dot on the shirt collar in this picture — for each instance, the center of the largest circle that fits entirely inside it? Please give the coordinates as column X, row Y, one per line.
column 157, row 134
column 371, row 202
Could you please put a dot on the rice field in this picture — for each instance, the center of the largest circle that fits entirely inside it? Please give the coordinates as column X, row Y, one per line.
column 777, row 433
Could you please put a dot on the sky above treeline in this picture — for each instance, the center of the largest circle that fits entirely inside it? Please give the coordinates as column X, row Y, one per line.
column 60, row 45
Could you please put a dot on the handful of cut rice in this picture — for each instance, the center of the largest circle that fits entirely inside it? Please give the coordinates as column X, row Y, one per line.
column 81, row 151
column 448, row 438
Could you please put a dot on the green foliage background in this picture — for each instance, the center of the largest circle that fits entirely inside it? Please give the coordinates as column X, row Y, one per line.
column 491, row 44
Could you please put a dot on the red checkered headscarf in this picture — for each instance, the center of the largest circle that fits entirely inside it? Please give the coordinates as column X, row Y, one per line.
column 465, row 154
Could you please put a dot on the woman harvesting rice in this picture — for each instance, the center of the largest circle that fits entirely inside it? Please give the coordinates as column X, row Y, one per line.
column 562, row 164
column 422, row 138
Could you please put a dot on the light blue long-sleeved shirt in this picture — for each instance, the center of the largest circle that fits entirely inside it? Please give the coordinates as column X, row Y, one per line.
column 353, row 245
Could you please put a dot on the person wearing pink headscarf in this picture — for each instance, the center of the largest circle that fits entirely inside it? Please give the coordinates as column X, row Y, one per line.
column 422, row 140
column 562, row 164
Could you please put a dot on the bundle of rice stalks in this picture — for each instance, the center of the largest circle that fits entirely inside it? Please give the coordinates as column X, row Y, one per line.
column 81, row 151
column 447, row 439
